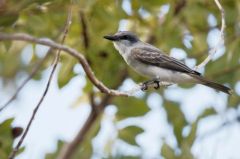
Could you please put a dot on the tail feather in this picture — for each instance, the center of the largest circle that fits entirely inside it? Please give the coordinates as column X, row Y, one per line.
column 213, row 85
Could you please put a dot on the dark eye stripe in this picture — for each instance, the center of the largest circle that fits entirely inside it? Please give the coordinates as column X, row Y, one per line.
column 125, row 37
column 129, row 38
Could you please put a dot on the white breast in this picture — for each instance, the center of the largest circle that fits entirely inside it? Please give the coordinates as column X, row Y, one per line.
column 161, row 73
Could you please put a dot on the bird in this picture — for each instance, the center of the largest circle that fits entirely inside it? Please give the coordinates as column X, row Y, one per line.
column 151, row 62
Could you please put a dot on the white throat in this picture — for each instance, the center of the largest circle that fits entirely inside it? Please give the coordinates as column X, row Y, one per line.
column 122, row 49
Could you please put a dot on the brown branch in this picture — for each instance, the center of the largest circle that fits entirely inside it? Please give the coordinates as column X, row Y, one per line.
column 70, row 51
column 34, row 71
column 84, row 30
column 91, row 99
column 69, row 149
column 55, row 63
column 179, row 6
column 213, row 51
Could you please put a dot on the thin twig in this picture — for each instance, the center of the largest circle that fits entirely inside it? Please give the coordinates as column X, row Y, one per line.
column 34, row 71
column 30, row 76
column 55, row 63
column 213, row 51
column 15, row 150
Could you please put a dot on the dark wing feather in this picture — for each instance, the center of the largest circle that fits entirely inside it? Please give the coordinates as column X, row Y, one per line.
column 155, row 57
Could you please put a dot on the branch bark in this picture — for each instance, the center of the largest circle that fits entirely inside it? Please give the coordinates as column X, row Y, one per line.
column 74, row 53
column 84, row 30
column 213, row 51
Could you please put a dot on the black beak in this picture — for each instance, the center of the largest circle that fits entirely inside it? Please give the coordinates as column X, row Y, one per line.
column 111, row 37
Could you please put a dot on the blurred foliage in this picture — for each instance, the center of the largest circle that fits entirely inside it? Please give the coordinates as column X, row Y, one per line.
column 128, row 134
column 7, row 136
column 55, row 155
column 92, row 19
column 130, row 107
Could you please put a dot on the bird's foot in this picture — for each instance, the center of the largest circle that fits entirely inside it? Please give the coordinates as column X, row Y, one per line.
column 144, row 86
column 157, row 85
column 155, row 82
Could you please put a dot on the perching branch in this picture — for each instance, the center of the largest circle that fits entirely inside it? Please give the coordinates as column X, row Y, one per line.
column 34, row 71
column 213, row 51
column 55, row 63
column 70, row 51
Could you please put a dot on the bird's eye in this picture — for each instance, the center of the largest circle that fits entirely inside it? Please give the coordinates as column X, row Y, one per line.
column 125, row 37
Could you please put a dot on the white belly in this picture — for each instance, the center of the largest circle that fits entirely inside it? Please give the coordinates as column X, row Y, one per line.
column 161, row 73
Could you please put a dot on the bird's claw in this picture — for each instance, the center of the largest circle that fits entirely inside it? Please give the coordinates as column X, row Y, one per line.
column 144, row 86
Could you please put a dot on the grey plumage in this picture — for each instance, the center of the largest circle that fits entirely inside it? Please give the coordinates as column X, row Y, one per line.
column 157, row 58
column 150, row 61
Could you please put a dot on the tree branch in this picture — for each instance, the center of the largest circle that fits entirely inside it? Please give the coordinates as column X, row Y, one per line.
column 84, row 30
column 69, row 148
column 213, row 51
column 179, row 6
column 55, row 63
column 70, row 51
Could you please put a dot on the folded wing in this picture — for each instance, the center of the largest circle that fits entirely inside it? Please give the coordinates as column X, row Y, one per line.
column 155, row 57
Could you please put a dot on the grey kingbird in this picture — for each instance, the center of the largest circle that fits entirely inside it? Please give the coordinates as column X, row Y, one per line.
column 151, row 62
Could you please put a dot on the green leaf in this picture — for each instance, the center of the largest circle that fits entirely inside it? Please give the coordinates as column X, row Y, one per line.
column 6, row 139
column 176, row 118
column 8, row 19
column 130, row 107
column 207, row 112
column 167, row 152
column 55, row 154
column 186, row 151
column 66, row 71
column 129, row 134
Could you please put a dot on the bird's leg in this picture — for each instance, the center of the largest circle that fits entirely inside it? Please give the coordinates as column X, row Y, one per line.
column 144, row 86
column 156, row 81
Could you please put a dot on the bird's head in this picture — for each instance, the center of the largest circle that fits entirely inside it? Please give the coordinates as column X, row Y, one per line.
column 123, row 38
